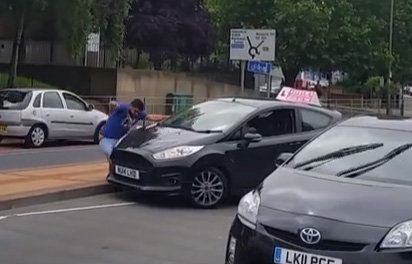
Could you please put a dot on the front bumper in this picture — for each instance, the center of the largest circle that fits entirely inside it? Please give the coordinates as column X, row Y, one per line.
column 257, row 246
column 15, row 131
column 166, row 177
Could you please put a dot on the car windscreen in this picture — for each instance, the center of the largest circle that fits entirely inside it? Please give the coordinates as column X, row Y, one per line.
column 14, row 100
column 211, row 116
column 382, row 155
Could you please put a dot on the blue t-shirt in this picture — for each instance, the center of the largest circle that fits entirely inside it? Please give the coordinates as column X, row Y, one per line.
column 120, row 121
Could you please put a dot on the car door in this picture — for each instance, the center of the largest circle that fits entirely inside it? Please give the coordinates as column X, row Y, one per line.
column 80, row 118
column 55, row 115
column 251, row 164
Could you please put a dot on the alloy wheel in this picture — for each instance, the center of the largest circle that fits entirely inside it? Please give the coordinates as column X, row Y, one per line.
column 208, row 188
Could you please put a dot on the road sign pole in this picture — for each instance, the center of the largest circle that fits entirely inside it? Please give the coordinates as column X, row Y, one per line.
column 242, row 76
column 269, row 85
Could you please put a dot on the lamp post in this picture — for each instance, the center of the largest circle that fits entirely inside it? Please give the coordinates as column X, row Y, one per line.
column 388, row 107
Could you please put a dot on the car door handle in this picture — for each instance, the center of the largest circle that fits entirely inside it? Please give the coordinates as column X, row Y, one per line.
column 48, row 114
column 72, row 116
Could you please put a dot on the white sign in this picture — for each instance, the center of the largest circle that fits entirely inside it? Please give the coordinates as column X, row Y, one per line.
column 93, row 42
column 299, row 96
column 252, row 45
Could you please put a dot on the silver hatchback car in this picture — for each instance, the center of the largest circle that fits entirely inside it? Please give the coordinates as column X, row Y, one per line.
column 37, row 115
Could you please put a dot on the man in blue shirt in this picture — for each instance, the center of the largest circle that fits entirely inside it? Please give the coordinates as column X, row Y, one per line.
column 119, row 123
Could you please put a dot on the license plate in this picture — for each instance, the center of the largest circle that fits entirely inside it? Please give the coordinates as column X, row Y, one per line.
column 126, row 172
column 3, row 129
column 286, row 256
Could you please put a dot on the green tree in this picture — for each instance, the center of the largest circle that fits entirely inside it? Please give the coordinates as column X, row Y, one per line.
column 20, row 12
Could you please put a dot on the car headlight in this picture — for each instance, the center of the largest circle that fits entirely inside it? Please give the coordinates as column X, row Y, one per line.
column 399, row 237
column 177, row 152
column 248, row 209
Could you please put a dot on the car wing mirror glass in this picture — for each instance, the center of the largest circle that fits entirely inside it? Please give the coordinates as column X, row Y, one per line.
column 282, row 158
column 90, row 107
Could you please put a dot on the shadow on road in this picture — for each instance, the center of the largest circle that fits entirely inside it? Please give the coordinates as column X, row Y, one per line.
column 165, row 201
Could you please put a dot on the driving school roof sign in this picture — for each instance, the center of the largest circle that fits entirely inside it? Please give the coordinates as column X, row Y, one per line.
column 299, row 96
column 252, row 45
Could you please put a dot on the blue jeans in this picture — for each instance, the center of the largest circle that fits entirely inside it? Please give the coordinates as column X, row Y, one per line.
column 107, row 145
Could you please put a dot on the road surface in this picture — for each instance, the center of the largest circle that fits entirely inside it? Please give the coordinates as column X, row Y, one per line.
column 115, row 228
column 14, row 156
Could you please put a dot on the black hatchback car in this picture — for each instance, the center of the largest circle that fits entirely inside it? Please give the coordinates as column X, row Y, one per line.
column 343, row 198
column 215, row 149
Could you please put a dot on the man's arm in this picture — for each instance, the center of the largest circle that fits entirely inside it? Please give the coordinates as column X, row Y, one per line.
column 119, row 107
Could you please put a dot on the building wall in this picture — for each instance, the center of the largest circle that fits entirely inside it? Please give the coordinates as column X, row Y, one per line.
column 154, row 86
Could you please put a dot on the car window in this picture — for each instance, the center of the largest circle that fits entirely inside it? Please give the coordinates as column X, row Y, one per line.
column 74, row 103
column 357, row 147
column 211, row 116
column 14, row 100
column 274, row 123
column 312, row 120
column 52, row 100
column 36, row 103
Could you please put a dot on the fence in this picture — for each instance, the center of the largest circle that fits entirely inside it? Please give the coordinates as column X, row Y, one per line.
column 348, row 107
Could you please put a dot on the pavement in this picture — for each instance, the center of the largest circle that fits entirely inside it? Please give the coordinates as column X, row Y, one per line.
column 23, row 187
column 115, row 228
column 59, row 171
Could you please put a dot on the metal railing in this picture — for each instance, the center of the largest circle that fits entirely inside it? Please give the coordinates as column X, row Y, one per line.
column 349, row 107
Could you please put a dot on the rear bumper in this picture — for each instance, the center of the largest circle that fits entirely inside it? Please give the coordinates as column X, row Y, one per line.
column 15, row 131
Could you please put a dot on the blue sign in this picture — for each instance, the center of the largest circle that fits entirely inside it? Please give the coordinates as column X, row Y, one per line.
column 259, row 67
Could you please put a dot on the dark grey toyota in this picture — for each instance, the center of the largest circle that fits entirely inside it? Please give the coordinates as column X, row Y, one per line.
column 345, row 197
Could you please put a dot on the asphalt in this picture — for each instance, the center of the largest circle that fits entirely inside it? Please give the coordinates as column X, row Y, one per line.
column 15, row 157
column 115, row 228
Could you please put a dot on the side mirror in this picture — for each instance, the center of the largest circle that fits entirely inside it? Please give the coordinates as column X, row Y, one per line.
column 253, row 137
column 90, row 107
column 282, row 158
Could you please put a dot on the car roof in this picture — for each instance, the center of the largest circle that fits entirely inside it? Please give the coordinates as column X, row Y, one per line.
column 380, row 122
column 32, row 90
column 262, row 104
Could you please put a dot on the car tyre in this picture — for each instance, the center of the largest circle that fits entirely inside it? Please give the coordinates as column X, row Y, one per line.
column 209, row 188
column 37, row 137
column 96, row 137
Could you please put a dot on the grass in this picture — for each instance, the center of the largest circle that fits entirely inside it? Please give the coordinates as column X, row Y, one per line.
column 23, row 82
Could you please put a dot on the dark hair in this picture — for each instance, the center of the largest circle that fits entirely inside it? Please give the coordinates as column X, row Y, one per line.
column 137, row 103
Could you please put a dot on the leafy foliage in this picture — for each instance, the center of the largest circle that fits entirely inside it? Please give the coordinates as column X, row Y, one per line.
column 168, row 30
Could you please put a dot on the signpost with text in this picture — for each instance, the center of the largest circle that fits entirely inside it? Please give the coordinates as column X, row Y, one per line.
column 247, row 45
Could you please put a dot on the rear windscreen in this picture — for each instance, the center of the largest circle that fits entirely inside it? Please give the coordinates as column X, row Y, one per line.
column 14, row 100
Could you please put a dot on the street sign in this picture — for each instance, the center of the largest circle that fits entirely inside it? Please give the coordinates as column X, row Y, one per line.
column 299, row 96
column 252, row 45
column 259, row 67
column 93, row 42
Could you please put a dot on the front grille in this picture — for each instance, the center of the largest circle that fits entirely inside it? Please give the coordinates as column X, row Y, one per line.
column 131, row 160
column 328, row 245
column 125, row 180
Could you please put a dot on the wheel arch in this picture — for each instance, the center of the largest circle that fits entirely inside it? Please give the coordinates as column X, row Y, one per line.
column 44, row 126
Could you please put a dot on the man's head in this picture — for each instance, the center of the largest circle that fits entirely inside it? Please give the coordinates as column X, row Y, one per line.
column 136, row 106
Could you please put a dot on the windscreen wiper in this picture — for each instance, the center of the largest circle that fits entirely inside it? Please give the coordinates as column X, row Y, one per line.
column 356, row 171
column 337, row 154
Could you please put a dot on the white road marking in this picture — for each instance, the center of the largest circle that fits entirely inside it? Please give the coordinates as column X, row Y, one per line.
column 66, row 210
